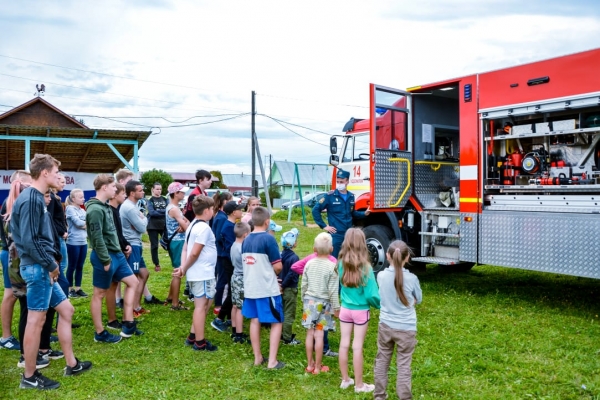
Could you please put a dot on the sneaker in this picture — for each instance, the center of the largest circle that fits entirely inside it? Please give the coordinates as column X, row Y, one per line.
column 346, row 384
column 131, row 330
column 241, row 340
column 75, row 326
column 140, row 312
column 51, row 354
column 293, row 341
column 80, row 367
column 120, row 303
column 366, row 388
column 189, row 342
column 81, row 293
column 53, row 339
column 153, row 300
column 106, row 337
column 218, row 325
column 330, row 353
column 116, row 325
column 73, row 294
column 207, row 346
column 10, row 343
column 39, row 364
column 38, row 381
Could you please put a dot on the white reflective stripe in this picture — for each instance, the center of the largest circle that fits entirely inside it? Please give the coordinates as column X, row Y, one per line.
column 468, row 172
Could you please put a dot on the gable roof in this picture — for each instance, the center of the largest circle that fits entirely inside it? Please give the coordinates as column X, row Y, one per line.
column 20, row 116
column 310, row 174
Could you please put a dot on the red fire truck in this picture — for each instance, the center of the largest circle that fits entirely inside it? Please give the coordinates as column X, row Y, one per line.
column 499, row 168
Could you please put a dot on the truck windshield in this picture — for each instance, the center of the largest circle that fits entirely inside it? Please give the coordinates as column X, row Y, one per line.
column 357, row 147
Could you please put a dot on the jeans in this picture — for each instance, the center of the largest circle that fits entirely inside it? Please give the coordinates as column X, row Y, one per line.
column 221, row 282
column 227, row 274
column 77, row 255
column 405, row 342
column 62, row 280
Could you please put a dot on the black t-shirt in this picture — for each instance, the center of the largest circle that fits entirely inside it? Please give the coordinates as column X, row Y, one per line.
column 3, row 233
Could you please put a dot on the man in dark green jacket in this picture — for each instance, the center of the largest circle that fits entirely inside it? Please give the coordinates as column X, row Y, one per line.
column 108, row 261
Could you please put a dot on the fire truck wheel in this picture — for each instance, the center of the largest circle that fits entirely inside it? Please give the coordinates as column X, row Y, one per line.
column 379, row 238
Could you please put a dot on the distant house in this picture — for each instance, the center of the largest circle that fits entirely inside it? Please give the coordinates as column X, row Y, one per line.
column 313, row 178
column 240, row 181
column 187, row 178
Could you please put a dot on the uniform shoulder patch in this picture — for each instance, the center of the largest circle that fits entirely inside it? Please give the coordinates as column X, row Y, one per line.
column 331, row 192
column 322, row 200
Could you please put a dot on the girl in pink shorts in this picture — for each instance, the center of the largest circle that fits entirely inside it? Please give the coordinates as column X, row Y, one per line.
column 359, row 292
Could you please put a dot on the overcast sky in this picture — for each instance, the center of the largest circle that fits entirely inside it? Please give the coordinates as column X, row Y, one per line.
column 167, row 64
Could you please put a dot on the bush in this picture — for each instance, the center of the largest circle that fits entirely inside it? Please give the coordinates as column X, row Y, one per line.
column 156, row 175
column 274, row 193
column 296, row 214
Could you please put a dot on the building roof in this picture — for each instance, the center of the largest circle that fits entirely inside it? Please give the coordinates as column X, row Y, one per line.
column 241, row 180
column 310, row 174
column 38, row 118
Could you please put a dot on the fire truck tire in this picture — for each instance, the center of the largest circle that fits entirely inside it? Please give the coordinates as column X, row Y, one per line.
column 378, row 238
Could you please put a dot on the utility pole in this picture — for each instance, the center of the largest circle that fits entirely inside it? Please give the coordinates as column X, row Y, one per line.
column 254, row 188
column 270, row 170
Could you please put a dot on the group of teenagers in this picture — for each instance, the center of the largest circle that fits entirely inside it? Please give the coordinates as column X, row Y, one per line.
column 226, row 257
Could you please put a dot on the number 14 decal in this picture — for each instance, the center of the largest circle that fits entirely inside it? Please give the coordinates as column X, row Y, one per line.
column 356, row 170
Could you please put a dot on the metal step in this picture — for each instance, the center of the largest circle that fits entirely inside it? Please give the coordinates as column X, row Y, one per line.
column 436, row 260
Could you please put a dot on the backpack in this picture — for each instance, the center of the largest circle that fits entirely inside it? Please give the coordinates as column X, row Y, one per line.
column 165, row 239
column 188, row 211
column 19, row 286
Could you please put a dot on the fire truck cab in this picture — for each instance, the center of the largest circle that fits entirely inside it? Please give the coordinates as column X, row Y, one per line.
column 499, row 168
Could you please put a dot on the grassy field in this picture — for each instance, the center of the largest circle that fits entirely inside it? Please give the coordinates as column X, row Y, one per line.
column 491, row 333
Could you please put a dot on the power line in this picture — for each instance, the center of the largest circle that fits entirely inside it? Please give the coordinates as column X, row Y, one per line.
column 299, row 126
column 294, row 132
column 105, row 92
column 105, row 74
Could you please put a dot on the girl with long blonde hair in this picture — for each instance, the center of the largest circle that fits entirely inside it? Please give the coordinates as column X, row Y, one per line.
column 358, row 293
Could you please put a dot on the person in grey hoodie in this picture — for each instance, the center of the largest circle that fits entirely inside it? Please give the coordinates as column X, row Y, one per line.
column 400, row 292
column 134, row 225
column 76, row 241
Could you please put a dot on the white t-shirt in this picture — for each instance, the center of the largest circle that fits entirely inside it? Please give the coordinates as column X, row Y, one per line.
column 204, row 267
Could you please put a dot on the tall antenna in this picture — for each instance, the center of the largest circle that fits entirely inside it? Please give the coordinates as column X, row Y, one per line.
column 40, row 90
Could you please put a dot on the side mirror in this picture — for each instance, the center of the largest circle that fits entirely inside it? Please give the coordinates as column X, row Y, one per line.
column 334, row 160
column 333, row 145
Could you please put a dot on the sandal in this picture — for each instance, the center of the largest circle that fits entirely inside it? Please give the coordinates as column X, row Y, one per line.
column 179, row 308
column 279, row 365
column 309, row 369
column 324, row 368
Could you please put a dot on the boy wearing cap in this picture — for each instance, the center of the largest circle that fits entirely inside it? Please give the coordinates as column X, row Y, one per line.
column 339, row 204
column 288, row 280
column 224, row 242
column 273, row 227
column 262, row 298
column 176, row 225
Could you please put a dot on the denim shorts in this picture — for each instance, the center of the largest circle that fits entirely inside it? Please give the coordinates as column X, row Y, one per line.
column 40, row 293
column 119, row 270
column 4, row 259
column 201, row 289
column 136, row 260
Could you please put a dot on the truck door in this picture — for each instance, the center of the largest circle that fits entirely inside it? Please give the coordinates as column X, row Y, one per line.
column 391, row 148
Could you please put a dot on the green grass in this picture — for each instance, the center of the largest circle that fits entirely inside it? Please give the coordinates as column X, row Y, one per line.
column 491, row 333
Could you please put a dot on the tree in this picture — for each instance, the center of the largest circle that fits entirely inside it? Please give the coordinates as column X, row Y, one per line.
column 156, row 175
column 274, row 193
column 220, row 184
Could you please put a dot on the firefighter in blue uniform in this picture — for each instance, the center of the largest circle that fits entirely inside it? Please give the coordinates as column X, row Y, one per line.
column 339, row 204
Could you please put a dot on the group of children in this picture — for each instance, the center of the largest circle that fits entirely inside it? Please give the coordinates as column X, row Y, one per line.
column 263, row 287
